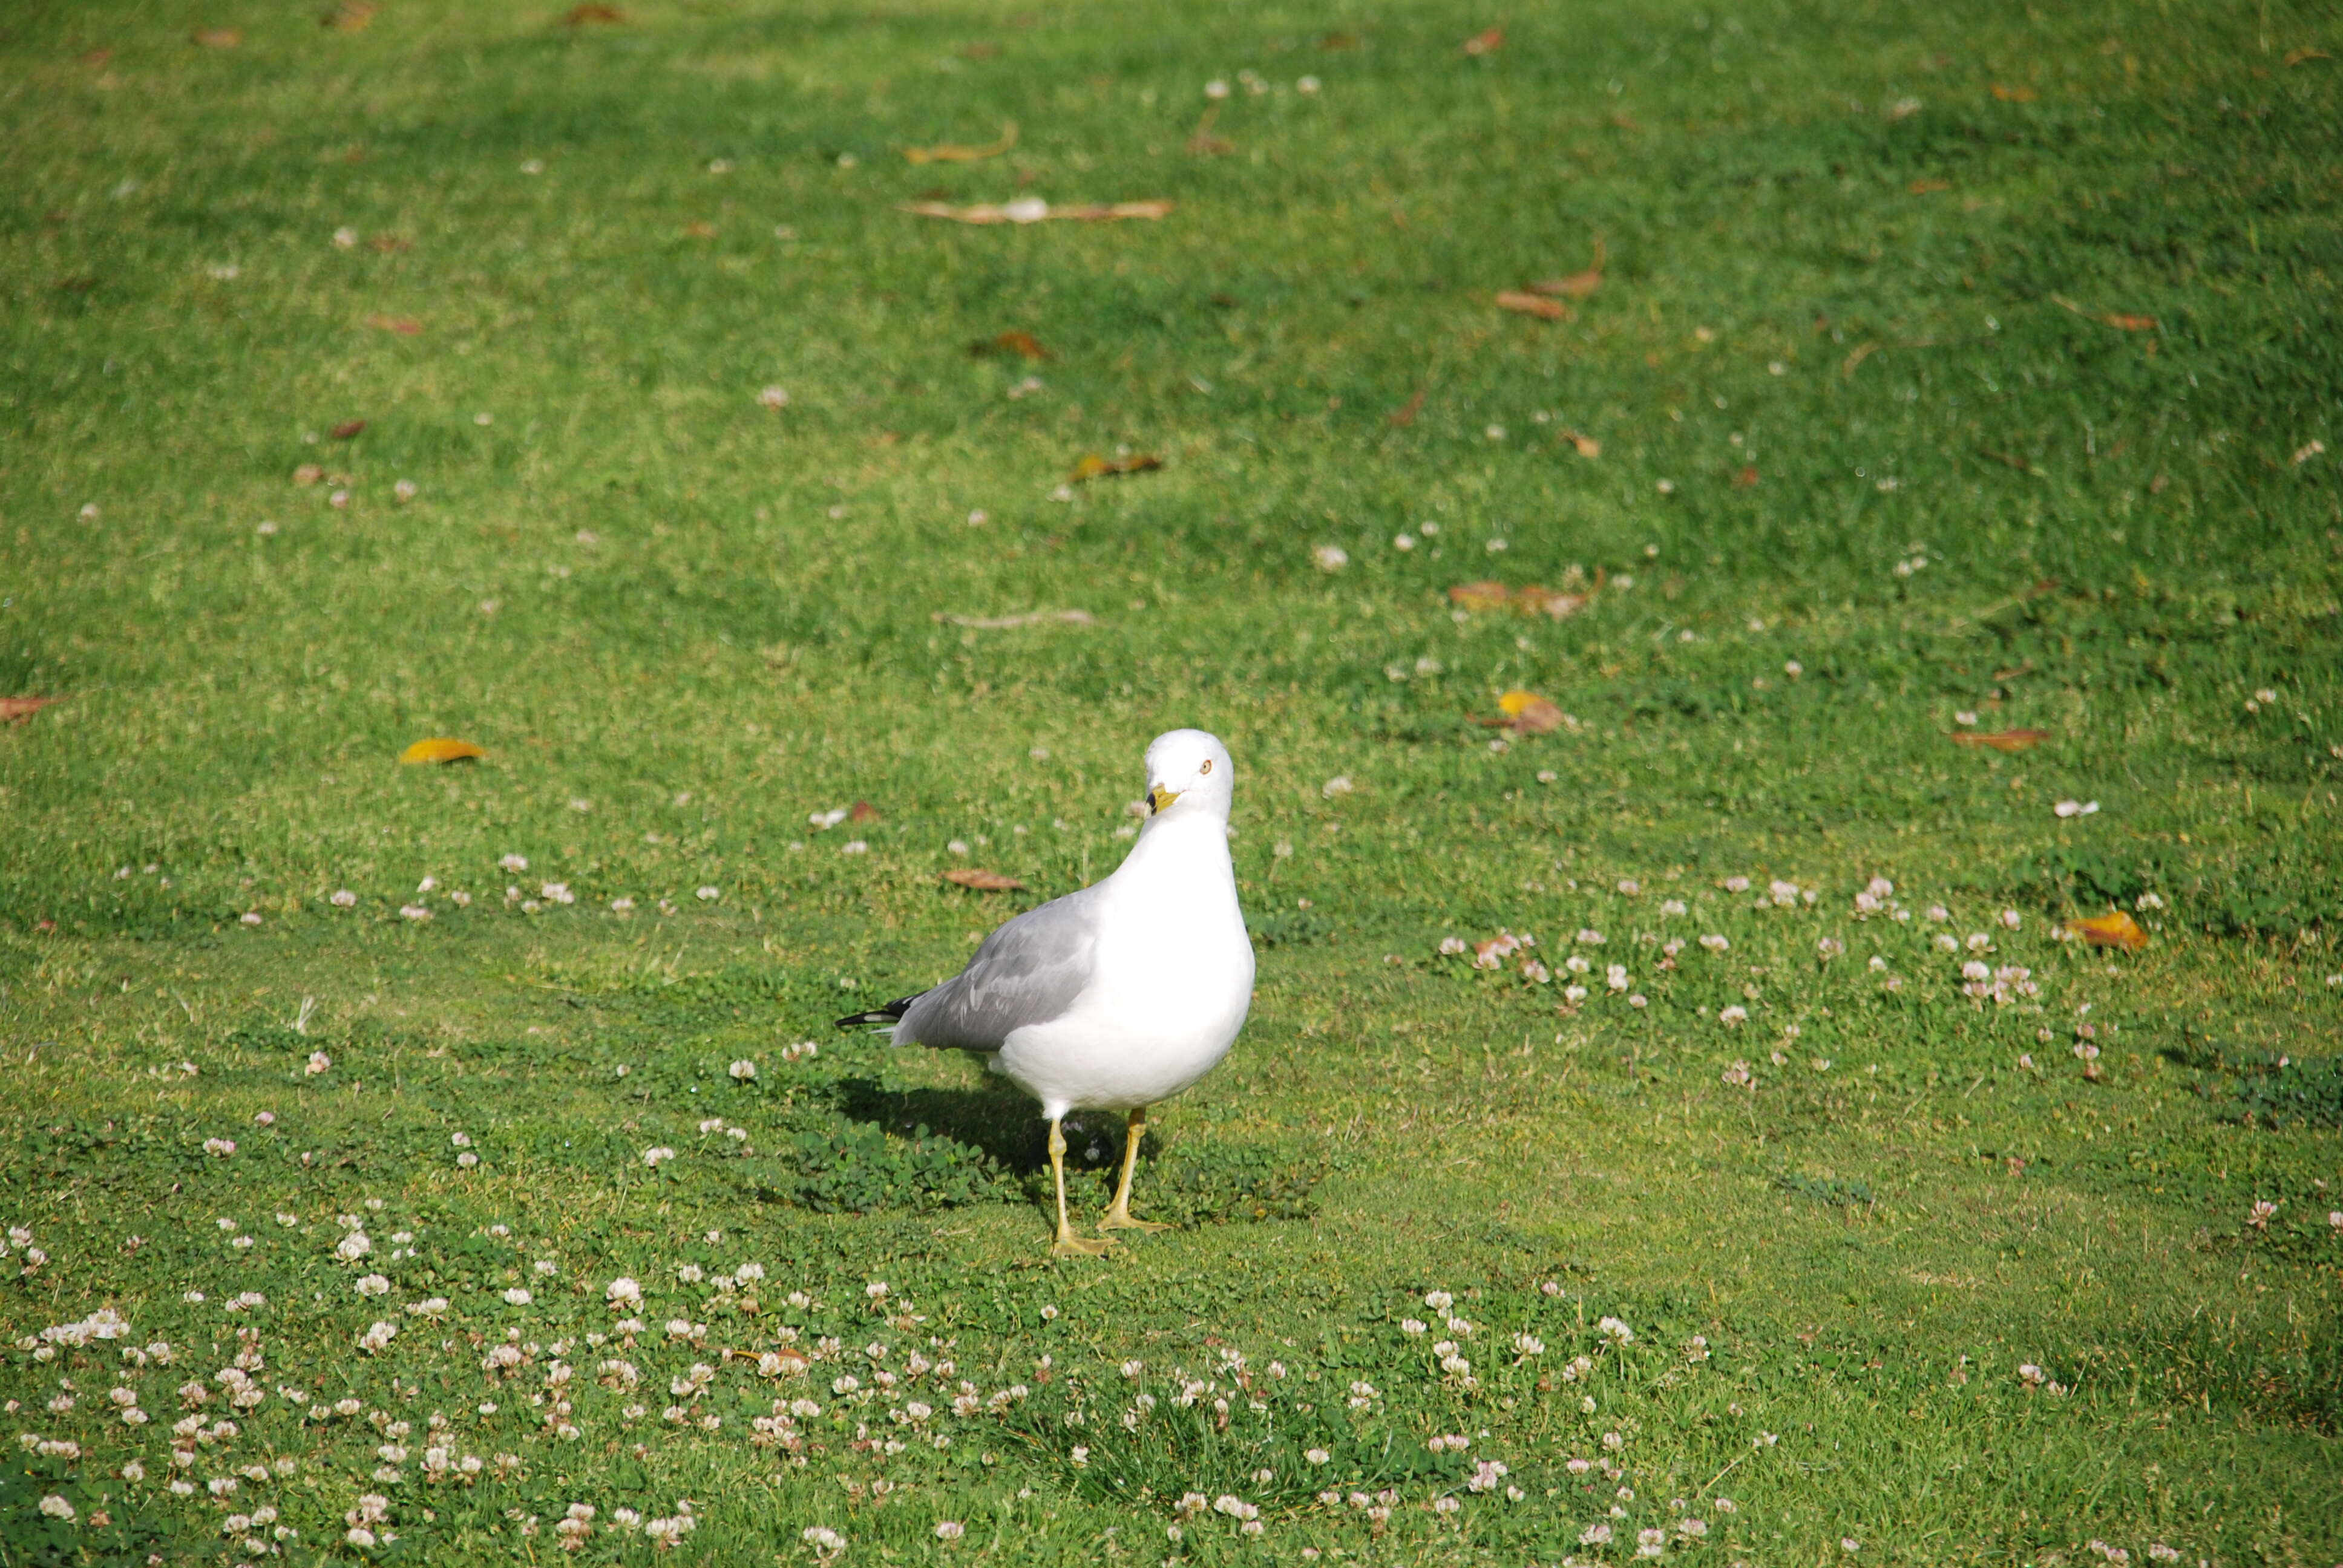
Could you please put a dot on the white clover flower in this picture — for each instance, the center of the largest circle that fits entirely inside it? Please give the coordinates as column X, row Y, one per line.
column 657, row 1155
column 743, row 1070
column 623, row 1292
column 343, row 899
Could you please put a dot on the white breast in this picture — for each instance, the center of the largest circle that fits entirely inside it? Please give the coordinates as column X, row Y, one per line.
column 1172, row 985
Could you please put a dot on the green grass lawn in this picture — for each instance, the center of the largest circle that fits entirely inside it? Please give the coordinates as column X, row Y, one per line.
column 1952, row 370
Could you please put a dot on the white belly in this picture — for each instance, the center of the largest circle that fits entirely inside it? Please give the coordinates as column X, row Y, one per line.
column 1160, row 1016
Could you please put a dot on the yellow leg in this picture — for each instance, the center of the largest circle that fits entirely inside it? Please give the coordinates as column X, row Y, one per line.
column 1118, row 1217
column 1067, row 1244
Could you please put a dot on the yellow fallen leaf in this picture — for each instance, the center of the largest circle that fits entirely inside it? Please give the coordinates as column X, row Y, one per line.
column 954, row 153
column 2113, row 930
column 441, row 750
column 1588, row 447
column 1530, row 713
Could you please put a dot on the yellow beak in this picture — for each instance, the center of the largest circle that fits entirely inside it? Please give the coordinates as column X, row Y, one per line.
column 1158, row 796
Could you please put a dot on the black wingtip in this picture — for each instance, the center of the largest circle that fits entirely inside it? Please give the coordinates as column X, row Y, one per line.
column 891, row 1013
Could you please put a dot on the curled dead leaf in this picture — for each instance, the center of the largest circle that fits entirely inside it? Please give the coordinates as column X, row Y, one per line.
column 16, row 709
column 1578, row 285
column 405, row 326
column 1092, row 466
column 982, row 881
column 344, row 431
column 2113, row 930
column 2002, row 739
column 1535, row 305
column 1487, row 43
column 1018, row 343
column 954, row 153
column 441, row 750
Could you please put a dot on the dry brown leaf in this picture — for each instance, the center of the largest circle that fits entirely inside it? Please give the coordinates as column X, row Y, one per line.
column 2015, row 95
column 1533, row 304
column 308, row 473
column 584, row 16
column 1485, row 43
column 703, row 229
column 216, row 37
column 1746, row 478
column 1202, row 143
column 1035, row 210
column 982, row 881
column 979, row 50
column 442, row 749
column 2002, row 739
column 347, row 430
column 15, row 710
column 1030, row 618
column 954, row 153
column 862, row 811
column 1092, row 466
column 405, row 326
column 1020, row 343
column 1400, row 418
column 1339, row 41
column 385, row 243
column 1577, row 285
column 2113, row 930
column 2302, row 57
column 349, row 16
column 1929, row 188
column 1588, row 447
column 1854, row 360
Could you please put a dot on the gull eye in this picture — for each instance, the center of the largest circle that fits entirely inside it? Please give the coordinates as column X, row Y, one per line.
column 1207, row 767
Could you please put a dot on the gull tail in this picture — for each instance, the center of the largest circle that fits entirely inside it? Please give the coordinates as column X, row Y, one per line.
column 891, row 1013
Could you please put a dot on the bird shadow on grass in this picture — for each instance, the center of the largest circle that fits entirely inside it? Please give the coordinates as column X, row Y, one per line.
column 996, row 1121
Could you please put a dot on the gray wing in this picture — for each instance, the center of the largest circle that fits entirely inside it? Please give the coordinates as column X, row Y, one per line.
column 1028, row 971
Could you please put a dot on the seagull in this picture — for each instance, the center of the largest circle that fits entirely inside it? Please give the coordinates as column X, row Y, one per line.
column 1120, row 995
